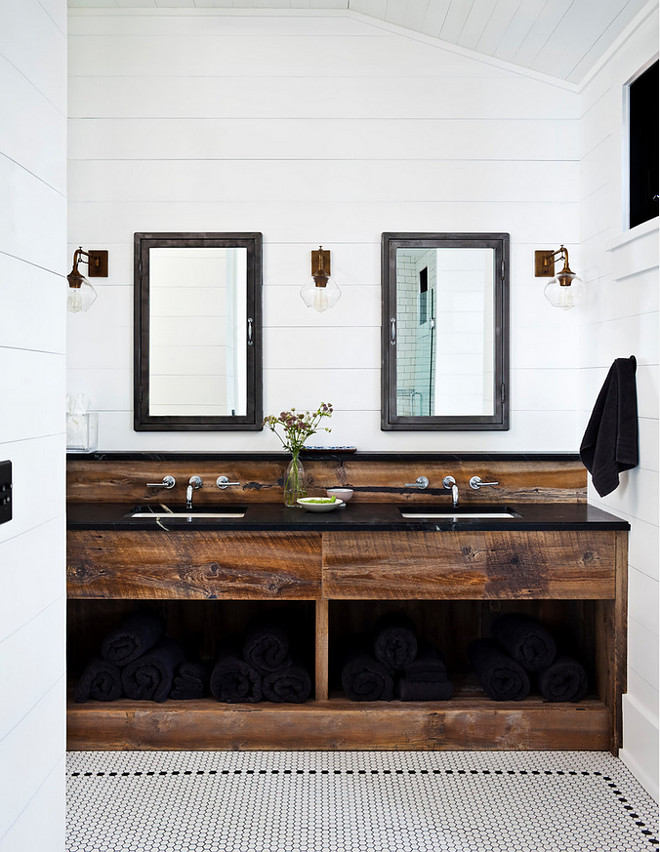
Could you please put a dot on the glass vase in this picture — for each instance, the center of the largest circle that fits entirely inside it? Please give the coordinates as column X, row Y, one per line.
column 294, row 482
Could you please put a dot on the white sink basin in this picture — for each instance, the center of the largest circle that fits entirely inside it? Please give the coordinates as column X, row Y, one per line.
column 457, row 514
column 164, row 512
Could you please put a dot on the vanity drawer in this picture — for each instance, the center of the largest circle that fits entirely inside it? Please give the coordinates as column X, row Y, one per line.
column 193, row 565
column 469, row 565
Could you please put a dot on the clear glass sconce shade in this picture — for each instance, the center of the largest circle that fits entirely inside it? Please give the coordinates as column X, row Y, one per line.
column 564, row 291
column 80, row 297
column 319, row 295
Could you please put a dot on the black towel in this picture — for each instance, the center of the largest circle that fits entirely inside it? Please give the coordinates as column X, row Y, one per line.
column 234, row 681
column 500, row 676
column 610, row 442
column 564, row 680
column 425, row 679
column 266, row 649
column 364, row 678
column 136, row 635
column 150, row 677
column 395, row 641
column 101, row 681
column 291, row 684
column 526, row 640
column 190, row 681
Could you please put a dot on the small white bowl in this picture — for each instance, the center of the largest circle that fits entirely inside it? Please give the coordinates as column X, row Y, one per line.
column 343, row 494
column 311, row 506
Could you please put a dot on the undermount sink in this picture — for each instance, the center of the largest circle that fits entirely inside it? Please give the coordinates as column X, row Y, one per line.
column 458, row 513
column 164, row 512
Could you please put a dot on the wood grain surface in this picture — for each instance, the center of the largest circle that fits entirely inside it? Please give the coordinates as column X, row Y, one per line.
column 182, row 565
column 467, row 565
column 467, row 723
column 374, row 481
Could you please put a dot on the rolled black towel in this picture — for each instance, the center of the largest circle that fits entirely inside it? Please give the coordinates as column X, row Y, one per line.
column 502, row 678
column 364, row 678
column 136, row 635
column 526, row 640
column 266, row 649
column 395, row 641
column 100, row 681
column 150, row 677
column 190, row 681
column 291, row 685
column 564, row 680
column 425, row 679
column 234, row 681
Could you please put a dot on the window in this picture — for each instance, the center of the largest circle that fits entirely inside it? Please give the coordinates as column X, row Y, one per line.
column 643, row 164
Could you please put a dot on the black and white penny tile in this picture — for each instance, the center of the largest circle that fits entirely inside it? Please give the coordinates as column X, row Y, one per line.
column 356, row 802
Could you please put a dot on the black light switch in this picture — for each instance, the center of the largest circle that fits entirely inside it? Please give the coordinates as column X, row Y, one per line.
column 5, row 491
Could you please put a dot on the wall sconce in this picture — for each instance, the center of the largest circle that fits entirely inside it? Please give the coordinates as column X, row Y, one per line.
column 81, row 293
column 321, row 291
column 566, row 289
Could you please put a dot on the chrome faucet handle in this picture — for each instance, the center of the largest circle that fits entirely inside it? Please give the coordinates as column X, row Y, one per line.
column 223, row 482
column 476, row 483
column 168, row 482
column 421, row 482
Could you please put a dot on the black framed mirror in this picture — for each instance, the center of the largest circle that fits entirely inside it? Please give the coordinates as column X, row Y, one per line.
column 445, row 349
column 198, row 341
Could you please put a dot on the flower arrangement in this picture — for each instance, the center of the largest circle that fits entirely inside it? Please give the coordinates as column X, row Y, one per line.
column 296, row 427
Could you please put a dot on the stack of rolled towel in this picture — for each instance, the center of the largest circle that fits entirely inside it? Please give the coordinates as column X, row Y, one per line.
column 395, row 664
column 521, row 646
column 139, row 662
column 262, row 667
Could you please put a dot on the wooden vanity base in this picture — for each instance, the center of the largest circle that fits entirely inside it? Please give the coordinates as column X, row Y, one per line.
column 467, row 723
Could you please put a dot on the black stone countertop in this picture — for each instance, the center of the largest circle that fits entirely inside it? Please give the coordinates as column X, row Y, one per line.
column 354, row 517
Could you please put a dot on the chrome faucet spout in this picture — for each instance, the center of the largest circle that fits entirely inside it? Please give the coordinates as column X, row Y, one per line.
column 194, row 483
column 450, row 485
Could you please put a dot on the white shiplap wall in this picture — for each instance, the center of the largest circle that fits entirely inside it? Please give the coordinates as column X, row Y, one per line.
column 621, row 319
column 32, row 389
column 315, row 129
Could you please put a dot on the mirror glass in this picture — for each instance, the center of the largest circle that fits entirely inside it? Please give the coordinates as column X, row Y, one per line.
column 444, row 341
column 197, row 331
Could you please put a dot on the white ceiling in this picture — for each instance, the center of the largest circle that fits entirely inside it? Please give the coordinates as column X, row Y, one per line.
column 561, row 38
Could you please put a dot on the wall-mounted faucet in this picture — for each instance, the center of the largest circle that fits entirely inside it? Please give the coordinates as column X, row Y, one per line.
column 194, row 484
column 421, row 482
column 450, row 484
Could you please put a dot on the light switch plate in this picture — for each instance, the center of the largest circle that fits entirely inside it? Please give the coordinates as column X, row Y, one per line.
column 5, row 492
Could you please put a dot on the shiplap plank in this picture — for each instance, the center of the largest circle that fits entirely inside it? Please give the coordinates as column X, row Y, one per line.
column 216, row 54
column 497, row 25
column 46, row 329
column 36, row 745
column 18, row 139
column 342, row 181
column 35, row 384
column 545, row 29
column 343, row 138
column 477, row 22
column 358, row 222
column 31, row 207
column 166, row 96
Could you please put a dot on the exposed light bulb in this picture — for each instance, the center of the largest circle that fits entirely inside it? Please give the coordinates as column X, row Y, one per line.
column 80, row 298
column 320, row 297
column 564, row 296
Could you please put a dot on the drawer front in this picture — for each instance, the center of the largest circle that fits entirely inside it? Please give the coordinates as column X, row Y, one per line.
column 469, row 565
column 196, row 565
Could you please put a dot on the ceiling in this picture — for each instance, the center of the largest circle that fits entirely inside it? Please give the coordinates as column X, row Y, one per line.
column 561, row 38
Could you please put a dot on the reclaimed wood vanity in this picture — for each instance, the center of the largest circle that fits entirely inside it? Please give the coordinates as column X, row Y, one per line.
column 558, row 558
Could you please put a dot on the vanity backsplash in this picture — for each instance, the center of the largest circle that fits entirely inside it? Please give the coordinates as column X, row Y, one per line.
column 374, row 477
